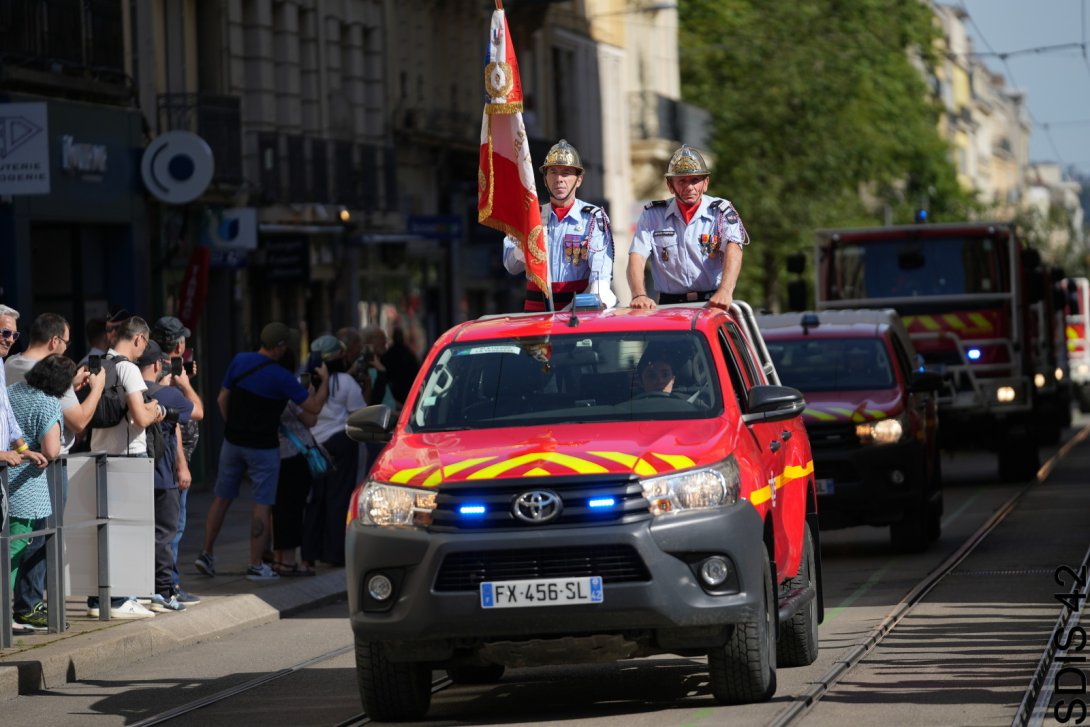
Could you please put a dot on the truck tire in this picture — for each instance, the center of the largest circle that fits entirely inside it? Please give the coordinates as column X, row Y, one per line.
column 1082, row 394
column 391, row 691
column 798, row 642
column 744, row 669
column 911, row 533
column 1019, row 459
column 476, row 673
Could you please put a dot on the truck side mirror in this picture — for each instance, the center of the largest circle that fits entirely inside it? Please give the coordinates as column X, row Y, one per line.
column 796, row 295
column 796, row 263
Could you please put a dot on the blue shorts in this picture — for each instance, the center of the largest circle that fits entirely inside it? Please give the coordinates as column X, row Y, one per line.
column 263, row 466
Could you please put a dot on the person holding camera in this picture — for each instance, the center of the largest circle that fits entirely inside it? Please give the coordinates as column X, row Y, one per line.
column 127, row 438
column 254, row 393
column 175, row 408
column 328, row 508
column 171, row 334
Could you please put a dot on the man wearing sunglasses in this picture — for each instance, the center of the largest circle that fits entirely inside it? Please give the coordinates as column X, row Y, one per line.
column 11, row 435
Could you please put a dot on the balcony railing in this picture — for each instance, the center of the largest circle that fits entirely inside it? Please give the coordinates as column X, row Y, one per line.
column 214, row 118
column 657, row 117
column 62, row 42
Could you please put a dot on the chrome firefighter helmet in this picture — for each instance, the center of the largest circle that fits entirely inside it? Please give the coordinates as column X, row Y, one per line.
column 687, row 162
column 562, row 154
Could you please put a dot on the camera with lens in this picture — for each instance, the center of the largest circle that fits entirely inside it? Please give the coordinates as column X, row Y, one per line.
column 170, row 413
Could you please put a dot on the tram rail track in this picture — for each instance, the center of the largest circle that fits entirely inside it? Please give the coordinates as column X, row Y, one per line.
column 803, row 703
column 1031, row 712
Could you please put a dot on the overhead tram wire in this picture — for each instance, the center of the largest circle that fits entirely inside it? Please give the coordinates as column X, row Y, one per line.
column 1010, row 74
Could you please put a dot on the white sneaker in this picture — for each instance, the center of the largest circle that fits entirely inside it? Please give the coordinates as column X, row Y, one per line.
column 130, row 609
column 261, row 573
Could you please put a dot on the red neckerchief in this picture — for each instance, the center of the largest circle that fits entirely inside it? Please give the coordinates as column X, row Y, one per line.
column 687, row 211
column 562, row 212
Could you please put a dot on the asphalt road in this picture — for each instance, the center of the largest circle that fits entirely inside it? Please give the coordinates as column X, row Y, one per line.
column 938, row 668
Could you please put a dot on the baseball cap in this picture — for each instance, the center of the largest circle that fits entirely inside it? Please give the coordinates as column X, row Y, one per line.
column 117, row 316
column 329, row 347
column 151, row 354
column 169, row 328
column 277, row 334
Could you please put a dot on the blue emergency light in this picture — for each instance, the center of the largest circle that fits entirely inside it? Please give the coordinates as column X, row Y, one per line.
column 601, row 502
column 587, row 301
column 973, row 354
column 472, row 510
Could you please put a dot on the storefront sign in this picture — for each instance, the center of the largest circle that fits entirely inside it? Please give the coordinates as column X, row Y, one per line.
column 231, row 228
column 86, row 161
column 24, row 149
column 287, row 257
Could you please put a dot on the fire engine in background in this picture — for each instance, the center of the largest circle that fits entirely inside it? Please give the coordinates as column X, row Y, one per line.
column 1078, row 347
column 980, row 308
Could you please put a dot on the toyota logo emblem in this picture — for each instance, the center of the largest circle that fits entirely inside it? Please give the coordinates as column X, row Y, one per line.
column 537, row 506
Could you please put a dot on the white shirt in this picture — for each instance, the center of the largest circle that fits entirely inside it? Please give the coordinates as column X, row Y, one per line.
column 345, row 397
column 687, row 257
column 125, row 437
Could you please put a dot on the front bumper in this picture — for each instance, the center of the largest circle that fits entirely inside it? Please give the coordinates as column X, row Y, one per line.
column 665, row 610
column 857, row 485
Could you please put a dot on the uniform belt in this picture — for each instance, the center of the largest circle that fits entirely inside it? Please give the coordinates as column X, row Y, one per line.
column 691, row 297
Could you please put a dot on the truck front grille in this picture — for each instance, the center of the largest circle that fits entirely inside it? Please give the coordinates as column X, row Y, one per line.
column 614, row 563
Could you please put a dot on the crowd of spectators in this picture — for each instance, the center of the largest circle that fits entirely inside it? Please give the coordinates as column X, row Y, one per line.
column 284, row 419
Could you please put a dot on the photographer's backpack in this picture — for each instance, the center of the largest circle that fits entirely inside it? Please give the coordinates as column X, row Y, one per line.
column 112, row 405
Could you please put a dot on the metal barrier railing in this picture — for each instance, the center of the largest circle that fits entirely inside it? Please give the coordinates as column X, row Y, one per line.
column 55, row 564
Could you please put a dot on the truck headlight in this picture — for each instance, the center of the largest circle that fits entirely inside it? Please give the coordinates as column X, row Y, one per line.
column 715, row 486
column 886, row 431
column 382, row 505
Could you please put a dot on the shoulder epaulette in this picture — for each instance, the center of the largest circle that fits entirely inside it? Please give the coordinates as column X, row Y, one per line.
column 590, row 209
column 715, row 205
column 656, row 203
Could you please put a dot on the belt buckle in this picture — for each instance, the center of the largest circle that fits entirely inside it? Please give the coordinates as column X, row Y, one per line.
column 691, row 296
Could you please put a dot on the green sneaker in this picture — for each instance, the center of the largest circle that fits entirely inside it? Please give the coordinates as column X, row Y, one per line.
column 36, row 620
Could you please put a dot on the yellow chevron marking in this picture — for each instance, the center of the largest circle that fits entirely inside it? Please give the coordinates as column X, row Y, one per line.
column 760, row 496
column 982, row 322
column 820, row 415
column 876, row 414
column 929, row 323
column 631, row 461
column 434, row 479
column 954, row 321
column 1070, row 331
column 456, row 467
column 402, row 476
column 677, row 461
column 537, row 472
column 790, row 474
column 581, row 466
column 842, row 411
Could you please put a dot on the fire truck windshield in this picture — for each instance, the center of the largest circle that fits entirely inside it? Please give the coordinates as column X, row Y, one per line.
column 832, row 364
column 917, row 267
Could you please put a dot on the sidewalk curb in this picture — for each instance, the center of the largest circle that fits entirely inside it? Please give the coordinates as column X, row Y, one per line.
column 123, row 642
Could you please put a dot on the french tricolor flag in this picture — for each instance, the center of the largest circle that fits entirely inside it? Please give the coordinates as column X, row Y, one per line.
column 507, row 195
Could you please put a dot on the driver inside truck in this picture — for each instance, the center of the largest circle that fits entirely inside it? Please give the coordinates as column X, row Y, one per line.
column 657, row 369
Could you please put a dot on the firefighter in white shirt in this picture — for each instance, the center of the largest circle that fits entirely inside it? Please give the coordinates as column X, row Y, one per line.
column 579, row 239
column 695, row 240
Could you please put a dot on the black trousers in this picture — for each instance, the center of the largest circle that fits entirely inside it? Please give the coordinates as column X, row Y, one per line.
column 327, row 509
column 167, row 508
column 292, row 490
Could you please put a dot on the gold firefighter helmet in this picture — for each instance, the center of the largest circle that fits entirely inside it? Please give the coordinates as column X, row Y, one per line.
column 562, row 154
column 687, row 162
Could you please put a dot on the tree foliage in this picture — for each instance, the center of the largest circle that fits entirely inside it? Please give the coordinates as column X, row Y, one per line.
column 816, row 106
